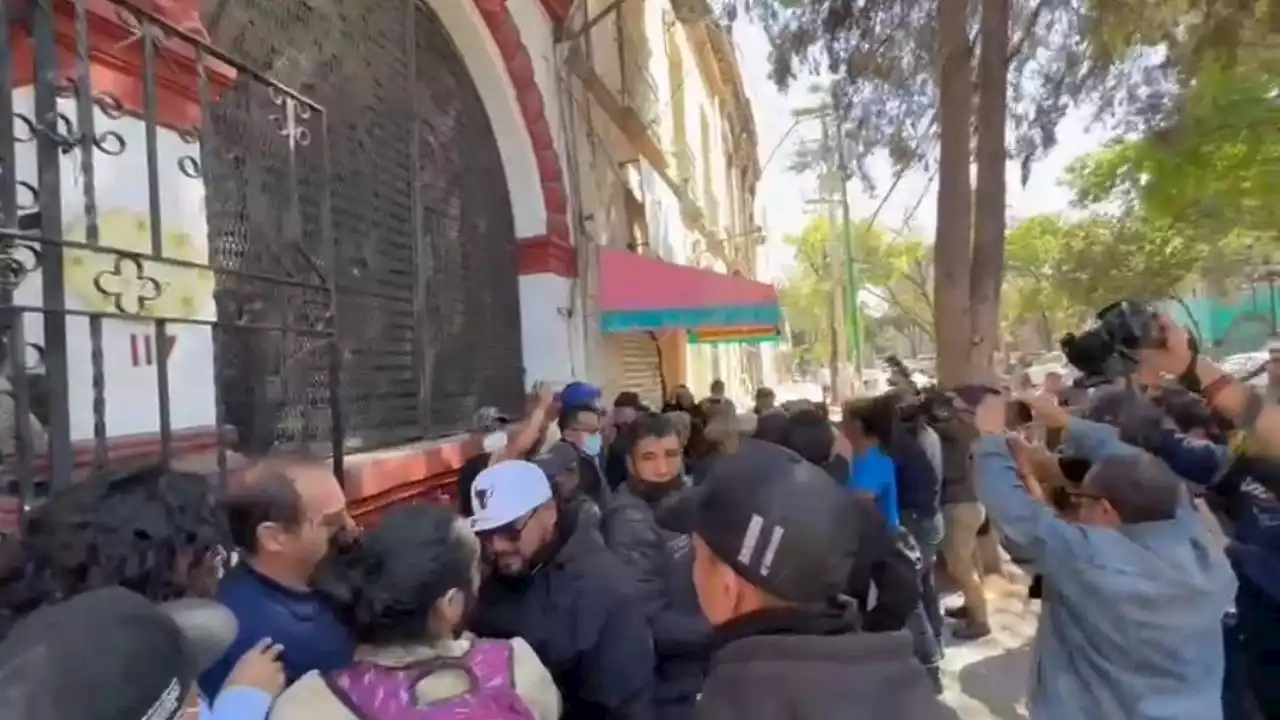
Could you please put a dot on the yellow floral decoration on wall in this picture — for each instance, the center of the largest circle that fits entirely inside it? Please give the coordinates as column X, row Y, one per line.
column 148, row 287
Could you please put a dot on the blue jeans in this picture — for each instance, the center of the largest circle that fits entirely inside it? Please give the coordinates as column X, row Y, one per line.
column 928, row 650
column 928, row 533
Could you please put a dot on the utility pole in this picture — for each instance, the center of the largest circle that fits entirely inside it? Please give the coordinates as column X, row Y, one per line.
column 838, row 304
column 853, row 284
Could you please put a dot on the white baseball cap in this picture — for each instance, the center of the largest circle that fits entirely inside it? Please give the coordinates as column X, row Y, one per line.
column 505, row 491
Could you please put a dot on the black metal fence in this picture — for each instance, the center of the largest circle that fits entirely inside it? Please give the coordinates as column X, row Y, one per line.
column 316, row 253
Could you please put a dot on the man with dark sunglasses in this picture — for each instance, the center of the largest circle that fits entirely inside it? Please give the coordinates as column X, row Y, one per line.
column 554, row 583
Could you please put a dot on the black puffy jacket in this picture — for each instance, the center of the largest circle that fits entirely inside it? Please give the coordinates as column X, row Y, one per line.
column 885, row 560
column 581, row 614
column 662, row 561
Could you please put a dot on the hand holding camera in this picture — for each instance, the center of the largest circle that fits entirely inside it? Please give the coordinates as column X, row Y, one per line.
column 1175, row 354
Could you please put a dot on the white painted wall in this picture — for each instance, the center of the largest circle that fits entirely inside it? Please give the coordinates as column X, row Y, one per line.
column 539, row 39
column 551, row 330
column 550, row 325
column 129, row 347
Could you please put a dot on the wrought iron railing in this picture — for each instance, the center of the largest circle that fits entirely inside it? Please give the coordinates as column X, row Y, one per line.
column 196, row 255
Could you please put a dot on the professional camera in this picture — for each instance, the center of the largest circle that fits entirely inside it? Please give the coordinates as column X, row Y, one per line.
column 1109, row 349
column 927, row 405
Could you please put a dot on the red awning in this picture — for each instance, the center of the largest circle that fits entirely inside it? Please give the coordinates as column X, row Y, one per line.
column 638, row 292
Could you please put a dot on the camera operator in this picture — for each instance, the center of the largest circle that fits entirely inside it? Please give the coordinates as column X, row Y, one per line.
column 1237, row 402
column 1243, row 483
column 1134, row 590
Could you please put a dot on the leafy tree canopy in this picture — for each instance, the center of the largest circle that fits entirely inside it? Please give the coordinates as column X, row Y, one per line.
column 1063, row 269
column 895, row 272
column 1214, row 171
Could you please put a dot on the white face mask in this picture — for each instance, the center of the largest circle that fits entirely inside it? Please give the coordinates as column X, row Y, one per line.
column 494, row 441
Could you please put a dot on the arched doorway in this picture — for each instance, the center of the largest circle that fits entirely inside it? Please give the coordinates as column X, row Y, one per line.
column 419, row 218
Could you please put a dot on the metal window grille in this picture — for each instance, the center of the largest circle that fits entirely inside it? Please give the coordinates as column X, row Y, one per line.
column 352, row 272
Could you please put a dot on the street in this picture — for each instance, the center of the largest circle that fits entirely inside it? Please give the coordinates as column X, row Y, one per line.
column 987, row 679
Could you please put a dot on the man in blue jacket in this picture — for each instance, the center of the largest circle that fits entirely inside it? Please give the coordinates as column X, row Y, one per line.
column 1254, row 551
column 1134, row 589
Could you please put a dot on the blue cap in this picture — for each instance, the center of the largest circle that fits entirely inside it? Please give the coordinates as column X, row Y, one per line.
column 580, row 394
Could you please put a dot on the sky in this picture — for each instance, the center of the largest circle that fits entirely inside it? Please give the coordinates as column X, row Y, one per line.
column 782, row 206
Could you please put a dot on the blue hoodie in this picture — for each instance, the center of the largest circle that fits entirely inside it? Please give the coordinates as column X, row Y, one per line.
column 1255, row 512
column 1131, row 624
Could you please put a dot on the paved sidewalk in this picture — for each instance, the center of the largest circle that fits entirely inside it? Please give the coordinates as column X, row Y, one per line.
column 987, row 679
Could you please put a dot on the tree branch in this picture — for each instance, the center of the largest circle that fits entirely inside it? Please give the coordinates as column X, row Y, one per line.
column 1028, row 29
column 891, row 299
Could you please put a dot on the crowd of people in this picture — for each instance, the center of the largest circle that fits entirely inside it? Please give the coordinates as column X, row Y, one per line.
column 688, row 561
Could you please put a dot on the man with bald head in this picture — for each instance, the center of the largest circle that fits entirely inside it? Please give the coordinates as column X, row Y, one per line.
column 284, row 516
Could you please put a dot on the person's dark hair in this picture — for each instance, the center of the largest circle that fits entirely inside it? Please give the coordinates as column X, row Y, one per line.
column 628, row 399
column 384, row 586
column 877, row 416
column 772, row 427
column 1140, row 487
column 568, row 414
column 153, row 531
column 268, row 494
column 810, row 436
column 717, row 385
column 648, row 425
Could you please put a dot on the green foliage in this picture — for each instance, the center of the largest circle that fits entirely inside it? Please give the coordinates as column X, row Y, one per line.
column 1061, row 270
column 806, row 296
column 898, row 272
column 1213, row 172
column 893, row 271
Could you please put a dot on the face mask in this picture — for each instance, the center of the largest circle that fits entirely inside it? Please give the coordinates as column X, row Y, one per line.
column 593, row 444
column 494, row 441
column 655, row 491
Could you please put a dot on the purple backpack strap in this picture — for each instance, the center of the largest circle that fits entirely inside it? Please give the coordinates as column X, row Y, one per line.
column 492, row 662
column 372, row 692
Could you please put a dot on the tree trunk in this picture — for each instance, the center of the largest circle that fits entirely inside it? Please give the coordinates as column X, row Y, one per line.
column 989, row 212
column 952, row 239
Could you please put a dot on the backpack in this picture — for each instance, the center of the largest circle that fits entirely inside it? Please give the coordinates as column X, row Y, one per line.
column 376, row 692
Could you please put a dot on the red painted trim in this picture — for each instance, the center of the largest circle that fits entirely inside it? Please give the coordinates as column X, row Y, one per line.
column 115, row 56
column 515, row 56
column 558, row 10
column 128, row 450
column 429, row 470
column 540, row 254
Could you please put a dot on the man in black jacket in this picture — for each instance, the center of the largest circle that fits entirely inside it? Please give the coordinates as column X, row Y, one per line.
column 662, row 561
column 881, row 560
column 555, row 584
column 771, row 554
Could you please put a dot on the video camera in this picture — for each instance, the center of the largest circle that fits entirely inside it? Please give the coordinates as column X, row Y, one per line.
column 916, row 404
column 1109, row 349
column 933, row 406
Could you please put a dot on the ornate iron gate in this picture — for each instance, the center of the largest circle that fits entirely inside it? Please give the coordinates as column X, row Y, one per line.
column 427, row 281
column 117, row 302
column 245, row 260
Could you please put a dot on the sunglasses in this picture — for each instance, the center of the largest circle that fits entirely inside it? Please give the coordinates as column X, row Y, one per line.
column 510, row 532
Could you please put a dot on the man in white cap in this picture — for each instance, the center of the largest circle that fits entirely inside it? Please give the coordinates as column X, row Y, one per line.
column 555, row 584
